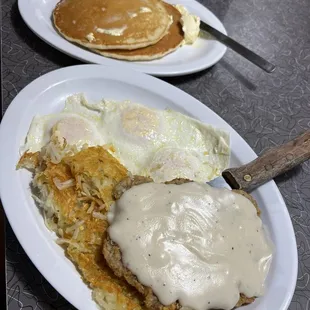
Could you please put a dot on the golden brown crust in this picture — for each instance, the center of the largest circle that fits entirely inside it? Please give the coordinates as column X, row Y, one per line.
column 113, row 255
column 72, row 206
column 128, row 183
column 244, row 300
column 178, row 181
column 29, row 161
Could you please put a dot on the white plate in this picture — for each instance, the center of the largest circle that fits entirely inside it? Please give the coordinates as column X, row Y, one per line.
column 188, row 59
column 47, row 95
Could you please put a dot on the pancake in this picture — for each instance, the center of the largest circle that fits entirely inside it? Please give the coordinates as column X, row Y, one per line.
column 169, row 43
column 110, row 24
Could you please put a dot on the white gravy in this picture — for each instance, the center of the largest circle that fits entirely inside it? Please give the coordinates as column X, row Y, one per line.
column 193, row 243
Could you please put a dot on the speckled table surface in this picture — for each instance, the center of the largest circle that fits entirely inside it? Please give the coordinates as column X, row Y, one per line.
column 265, row 110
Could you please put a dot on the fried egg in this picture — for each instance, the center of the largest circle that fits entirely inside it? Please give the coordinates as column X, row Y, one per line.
column 162, row 144
column 76, row 124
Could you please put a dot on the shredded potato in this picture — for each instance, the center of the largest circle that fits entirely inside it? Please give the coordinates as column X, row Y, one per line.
column 74, row 191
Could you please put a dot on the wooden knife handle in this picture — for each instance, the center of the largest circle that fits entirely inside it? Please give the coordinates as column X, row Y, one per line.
column 272, row 163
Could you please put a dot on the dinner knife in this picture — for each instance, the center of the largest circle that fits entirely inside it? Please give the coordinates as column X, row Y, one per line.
column 238, row 48
column 272, row 163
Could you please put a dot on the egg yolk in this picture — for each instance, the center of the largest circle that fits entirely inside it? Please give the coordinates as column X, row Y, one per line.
column 140, row 122
column 74, row 130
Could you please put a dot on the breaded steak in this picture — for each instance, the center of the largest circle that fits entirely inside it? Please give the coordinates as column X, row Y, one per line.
column 113, row 255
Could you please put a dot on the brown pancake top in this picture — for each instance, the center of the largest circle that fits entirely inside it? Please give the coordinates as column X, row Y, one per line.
column 86, row 21
column 169, row 42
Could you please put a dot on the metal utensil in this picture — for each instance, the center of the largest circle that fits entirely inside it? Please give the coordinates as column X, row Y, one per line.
column 264, row 168
column 238, row 48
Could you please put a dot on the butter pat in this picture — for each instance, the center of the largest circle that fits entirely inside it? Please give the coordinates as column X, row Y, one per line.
column 90, row 37
column 113, row 31
column 132, row 14
column 190, row 25
column 144, row 9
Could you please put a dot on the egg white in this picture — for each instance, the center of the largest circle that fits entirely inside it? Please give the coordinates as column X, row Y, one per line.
column 162, row 144
column 76, row 124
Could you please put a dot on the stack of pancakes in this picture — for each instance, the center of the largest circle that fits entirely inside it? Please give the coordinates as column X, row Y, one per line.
column 122, row 29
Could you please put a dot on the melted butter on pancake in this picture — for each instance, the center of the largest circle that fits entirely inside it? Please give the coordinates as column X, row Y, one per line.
column 132, row 14
column 112, row 31
column 90, row 37
column 144, row 9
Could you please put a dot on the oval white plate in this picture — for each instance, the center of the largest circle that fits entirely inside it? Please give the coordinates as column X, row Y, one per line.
column 188, row 59
column 47, row 95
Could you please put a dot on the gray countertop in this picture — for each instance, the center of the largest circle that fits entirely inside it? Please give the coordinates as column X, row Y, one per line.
column 264, row 109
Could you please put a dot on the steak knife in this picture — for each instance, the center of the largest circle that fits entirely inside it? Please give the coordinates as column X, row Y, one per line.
column 264, row 168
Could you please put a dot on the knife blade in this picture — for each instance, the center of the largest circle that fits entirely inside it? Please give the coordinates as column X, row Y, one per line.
column 264, row 168
column 219, row 182
column 238, row 48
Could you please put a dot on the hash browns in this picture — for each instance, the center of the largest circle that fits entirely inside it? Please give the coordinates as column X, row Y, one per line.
column 77, row 215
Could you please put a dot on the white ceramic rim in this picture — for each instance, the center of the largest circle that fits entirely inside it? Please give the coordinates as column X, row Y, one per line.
column 31, row 237
column 27, row 11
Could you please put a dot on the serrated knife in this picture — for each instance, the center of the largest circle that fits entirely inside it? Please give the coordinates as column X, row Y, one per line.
column 264, row 168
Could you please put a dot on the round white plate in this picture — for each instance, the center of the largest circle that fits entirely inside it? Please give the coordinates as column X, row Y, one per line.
column 188, row 59
column 47, row 95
